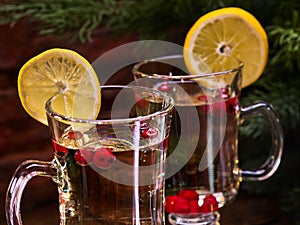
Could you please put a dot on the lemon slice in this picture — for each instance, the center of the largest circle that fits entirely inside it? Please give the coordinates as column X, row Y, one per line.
column 225, row 34
column 64, row 73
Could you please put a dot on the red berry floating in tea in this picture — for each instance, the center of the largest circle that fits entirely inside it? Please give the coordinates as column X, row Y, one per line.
column 232, row 105
column 103, row 158
column 149, row 132
column 59, row 149
column 84, row 156
column 75, row 135
column 164, row 87
column 143, row 126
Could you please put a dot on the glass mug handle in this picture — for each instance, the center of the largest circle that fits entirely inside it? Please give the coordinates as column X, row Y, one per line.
column 25, row 172
column 271, row 164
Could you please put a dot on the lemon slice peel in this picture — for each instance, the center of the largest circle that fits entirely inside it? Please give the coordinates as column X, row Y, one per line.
column 61, row 72
column 224, row 34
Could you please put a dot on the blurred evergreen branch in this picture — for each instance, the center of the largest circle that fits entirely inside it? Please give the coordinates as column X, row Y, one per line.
column 73, row 18
column 286, row 42
column 280, row 83
column 151, row 19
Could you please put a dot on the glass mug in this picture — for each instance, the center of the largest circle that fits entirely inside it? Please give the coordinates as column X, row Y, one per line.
column 203, row 173
column 110, row 170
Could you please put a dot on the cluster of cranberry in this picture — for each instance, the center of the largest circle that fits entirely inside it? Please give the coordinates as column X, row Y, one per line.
column 228, row 105
column 187, row 201
column 101, row 157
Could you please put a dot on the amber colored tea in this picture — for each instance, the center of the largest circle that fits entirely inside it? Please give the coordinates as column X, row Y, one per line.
column 97, row 187
column 203, row 174
column 109, row 170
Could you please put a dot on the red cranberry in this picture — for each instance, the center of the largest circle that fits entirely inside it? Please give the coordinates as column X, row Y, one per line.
column 170, row 202
column 75, row 135
column 225, row 93
column 203, row 98
column 143, row 126
column 164, row 87
column 84, row 156
column 188, row 194
column 176, row 204
column 210, row 204
column 181, row 205
column 59, row 149
column 194, row 206
column 232, row 105
column 149, row 132
column 103, row 158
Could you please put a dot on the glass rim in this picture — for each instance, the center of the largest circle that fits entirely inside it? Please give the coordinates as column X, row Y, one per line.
column 137, row 66
column 163, row 111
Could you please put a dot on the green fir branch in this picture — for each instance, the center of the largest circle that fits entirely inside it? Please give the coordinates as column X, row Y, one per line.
column 283, row 96
column 280, row 83
column 286, row 43
column 150, row 19
column 59, row 17
column 154, row 19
